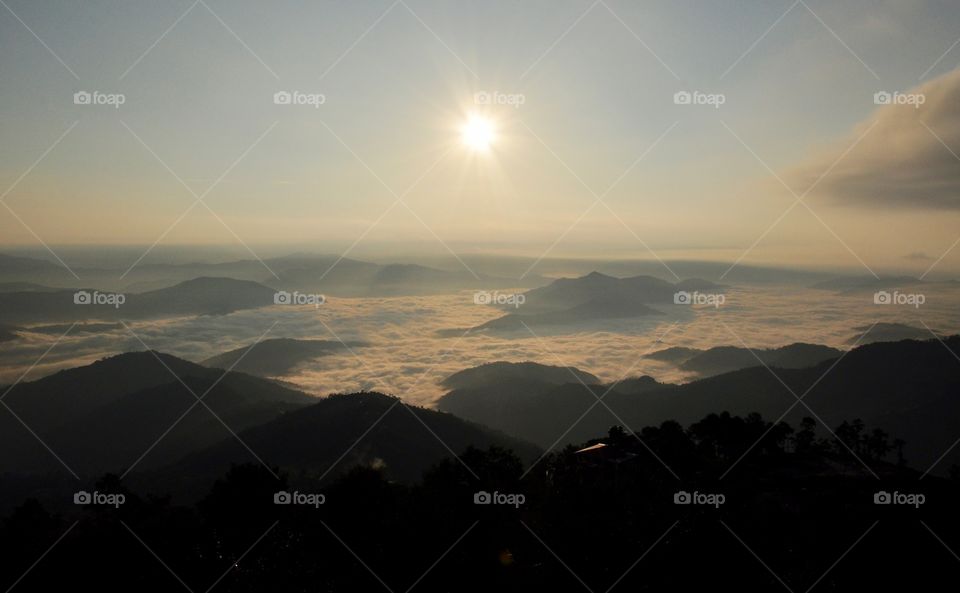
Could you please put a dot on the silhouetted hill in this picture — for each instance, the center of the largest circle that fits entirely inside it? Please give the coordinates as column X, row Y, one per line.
column 277, row 356
column 888, row 332
column 675, row 354
column 488, row 393
column 342, row 431
column 200, row 296
column 497, row 373
column 540, row 411
column 104, row 416
column 722, row 359
column 635, row 385
column 907, row 388
column 130, row 411
column 665, row 522
column 859, row 283
column 68, row 393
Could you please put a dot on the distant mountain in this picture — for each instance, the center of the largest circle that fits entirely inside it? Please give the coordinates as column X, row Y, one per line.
column 401, row 279
column 353, row 278
column 859, row 283
column 25, row 287
column 723, row 359
column 593, row 297
column 908, row 388
column 15, row 265
column 742, row 273
column 200, row 296
column 328, row 274
column 277, row 356
column 565, row 293
column 889, row 332
column 341, row 431
column 102, row 417
column 32, row 274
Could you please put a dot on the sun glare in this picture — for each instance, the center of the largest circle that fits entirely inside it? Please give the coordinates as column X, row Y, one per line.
column 478, row 133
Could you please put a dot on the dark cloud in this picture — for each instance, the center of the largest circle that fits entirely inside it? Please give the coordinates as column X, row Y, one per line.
column 905, row 159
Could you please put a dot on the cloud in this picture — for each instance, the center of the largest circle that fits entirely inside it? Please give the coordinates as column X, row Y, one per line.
column 917, row 256
column 903, row 160
column 404, row 356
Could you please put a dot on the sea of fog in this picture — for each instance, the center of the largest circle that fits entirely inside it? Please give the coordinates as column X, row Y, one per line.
column 406, row 352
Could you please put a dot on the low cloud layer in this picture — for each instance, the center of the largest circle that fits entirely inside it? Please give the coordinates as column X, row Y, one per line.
column 405, row 357
column 903, row 161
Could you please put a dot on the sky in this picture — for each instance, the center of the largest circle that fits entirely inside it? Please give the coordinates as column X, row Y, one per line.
column 592, row 155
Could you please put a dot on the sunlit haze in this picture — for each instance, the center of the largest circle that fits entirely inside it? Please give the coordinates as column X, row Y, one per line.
column 480, row 296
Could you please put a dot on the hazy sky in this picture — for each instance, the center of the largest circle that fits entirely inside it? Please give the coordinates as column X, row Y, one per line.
column 597, row 84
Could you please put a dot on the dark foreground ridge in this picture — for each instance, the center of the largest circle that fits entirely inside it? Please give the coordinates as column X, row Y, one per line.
column 665, row 509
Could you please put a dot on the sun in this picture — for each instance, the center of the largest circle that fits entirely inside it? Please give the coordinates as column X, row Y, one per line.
column 478, row 133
